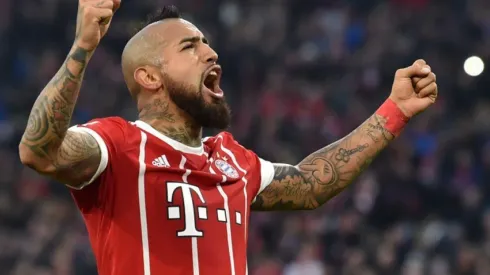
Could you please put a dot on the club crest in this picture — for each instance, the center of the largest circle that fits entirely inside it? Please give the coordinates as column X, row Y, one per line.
column 226, row 168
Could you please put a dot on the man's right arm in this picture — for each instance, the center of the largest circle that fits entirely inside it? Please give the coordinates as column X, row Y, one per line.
column 47, row 146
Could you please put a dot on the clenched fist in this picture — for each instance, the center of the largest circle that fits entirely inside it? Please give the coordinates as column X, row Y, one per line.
column 93, row 20
column 414, row 88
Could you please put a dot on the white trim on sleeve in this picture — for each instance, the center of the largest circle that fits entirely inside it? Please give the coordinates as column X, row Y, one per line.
column 104, row 153
column 266, row 175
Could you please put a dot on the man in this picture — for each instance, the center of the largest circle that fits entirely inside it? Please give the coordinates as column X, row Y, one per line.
column 155, row 196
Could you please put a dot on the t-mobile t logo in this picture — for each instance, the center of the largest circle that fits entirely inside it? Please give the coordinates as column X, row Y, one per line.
column 190, row 229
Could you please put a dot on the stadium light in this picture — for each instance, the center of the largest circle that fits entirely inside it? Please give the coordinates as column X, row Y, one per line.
column 473, row 66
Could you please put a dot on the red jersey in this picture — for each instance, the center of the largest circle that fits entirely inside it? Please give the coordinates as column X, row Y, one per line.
column 157, row 206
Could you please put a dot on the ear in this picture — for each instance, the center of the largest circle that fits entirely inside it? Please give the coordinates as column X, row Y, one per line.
column 148, row 78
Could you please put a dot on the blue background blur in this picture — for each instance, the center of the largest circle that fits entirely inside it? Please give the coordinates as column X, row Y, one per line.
column 298, row 75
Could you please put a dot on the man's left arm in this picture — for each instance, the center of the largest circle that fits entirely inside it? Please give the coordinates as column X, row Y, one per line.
column 328, row 171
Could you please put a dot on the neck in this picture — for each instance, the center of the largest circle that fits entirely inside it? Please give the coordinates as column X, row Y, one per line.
column 169, row 120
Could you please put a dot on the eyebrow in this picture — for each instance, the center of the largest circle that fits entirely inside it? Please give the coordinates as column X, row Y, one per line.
column 194, row 39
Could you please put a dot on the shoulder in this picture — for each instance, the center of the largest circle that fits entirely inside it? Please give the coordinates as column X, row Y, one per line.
column 115, row 137
column 113, row 128
column 224, row 138
column 113, row 134
column 225, row 141
column 262, row 171
column 113, row 121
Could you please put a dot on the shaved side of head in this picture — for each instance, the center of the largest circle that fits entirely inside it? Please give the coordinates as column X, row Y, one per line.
column 142, row 49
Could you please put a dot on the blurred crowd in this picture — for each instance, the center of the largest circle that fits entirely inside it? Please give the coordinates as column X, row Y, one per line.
column 298, row 75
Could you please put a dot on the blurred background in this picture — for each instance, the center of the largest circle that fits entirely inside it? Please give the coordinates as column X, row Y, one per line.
column 298, row 75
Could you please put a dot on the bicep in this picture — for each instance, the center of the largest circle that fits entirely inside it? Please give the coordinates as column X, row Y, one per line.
column 289, row 190
column 77, row 160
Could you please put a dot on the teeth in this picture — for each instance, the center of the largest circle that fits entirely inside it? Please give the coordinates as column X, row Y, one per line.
column 213, row 73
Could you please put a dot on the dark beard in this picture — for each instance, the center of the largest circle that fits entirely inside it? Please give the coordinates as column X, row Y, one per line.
column 215, row 115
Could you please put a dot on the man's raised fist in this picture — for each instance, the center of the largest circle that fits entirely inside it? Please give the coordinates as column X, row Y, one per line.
column 93, row 20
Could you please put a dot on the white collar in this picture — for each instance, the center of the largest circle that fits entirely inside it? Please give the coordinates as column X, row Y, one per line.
column 173, row 143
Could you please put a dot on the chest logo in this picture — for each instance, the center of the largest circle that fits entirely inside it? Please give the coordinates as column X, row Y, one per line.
column 161, row 161
column 226, row 169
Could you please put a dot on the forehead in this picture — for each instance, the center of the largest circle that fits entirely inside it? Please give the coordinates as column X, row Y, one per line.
column 174, row 30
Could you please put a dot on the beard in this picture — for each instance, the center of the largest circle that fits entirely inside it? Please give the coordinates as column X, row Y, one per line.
column 216, row 114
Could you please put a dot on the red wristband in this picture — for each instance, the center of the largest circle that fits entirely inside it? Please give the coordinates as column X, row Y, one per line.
column 395, row 118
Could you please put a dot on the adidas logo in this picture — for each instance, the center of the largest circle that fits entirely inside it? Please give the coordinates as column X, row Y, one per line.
column 161, row 161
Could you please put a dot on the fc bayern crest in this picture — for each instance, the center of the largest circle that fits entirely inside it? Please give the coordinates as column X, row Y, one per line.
column 226, row 169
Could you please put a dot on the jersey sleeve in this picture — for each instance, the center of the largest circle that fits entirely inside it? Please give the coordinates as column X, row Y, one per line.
column 110, row 135
column 266, row 174
column 262, row 173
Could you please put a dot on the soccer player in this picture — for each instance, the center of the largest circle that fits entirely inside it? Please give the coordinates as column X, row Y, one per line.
column 156, row 197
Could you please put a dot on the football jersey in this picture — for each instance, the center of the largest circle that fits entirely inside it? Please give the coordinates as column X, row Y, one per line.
column 157, row 206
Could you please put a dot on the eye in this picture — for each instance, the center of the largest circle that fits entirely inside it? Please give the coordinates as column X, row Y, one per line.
column 189, row 46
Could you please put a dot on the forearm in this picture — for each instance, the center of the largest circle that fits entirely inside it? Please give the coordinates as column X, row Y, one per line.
column 52, row 111
column 325, row 173
column 330, row 170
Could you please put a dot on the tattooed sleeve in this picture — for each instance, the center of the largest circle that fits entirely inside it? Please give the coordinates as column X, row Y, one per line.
column 46, row 146
column 325, row 173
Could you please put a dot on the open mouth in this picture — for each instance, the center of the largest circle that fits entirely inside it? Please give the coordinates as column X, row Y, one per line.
column 212, row 79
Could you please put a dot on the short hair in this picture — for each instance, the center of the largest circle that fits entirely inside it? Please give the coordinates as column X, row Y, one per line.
column 167, row 12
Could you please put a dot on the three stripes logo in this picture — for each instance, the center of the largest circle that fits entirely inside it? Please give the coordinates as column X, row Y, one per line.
column 161, row 161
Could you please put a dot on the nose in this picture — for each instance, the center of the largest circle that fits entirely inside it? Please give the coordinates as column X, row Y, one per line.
column 210, row 55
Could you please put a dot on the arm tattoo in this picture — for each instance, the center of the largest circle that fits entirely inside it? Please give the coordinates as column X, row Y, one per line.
column 326, row 172
column 77, row 159
column 287, row 185
column 46, row 132
column 76, row 147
